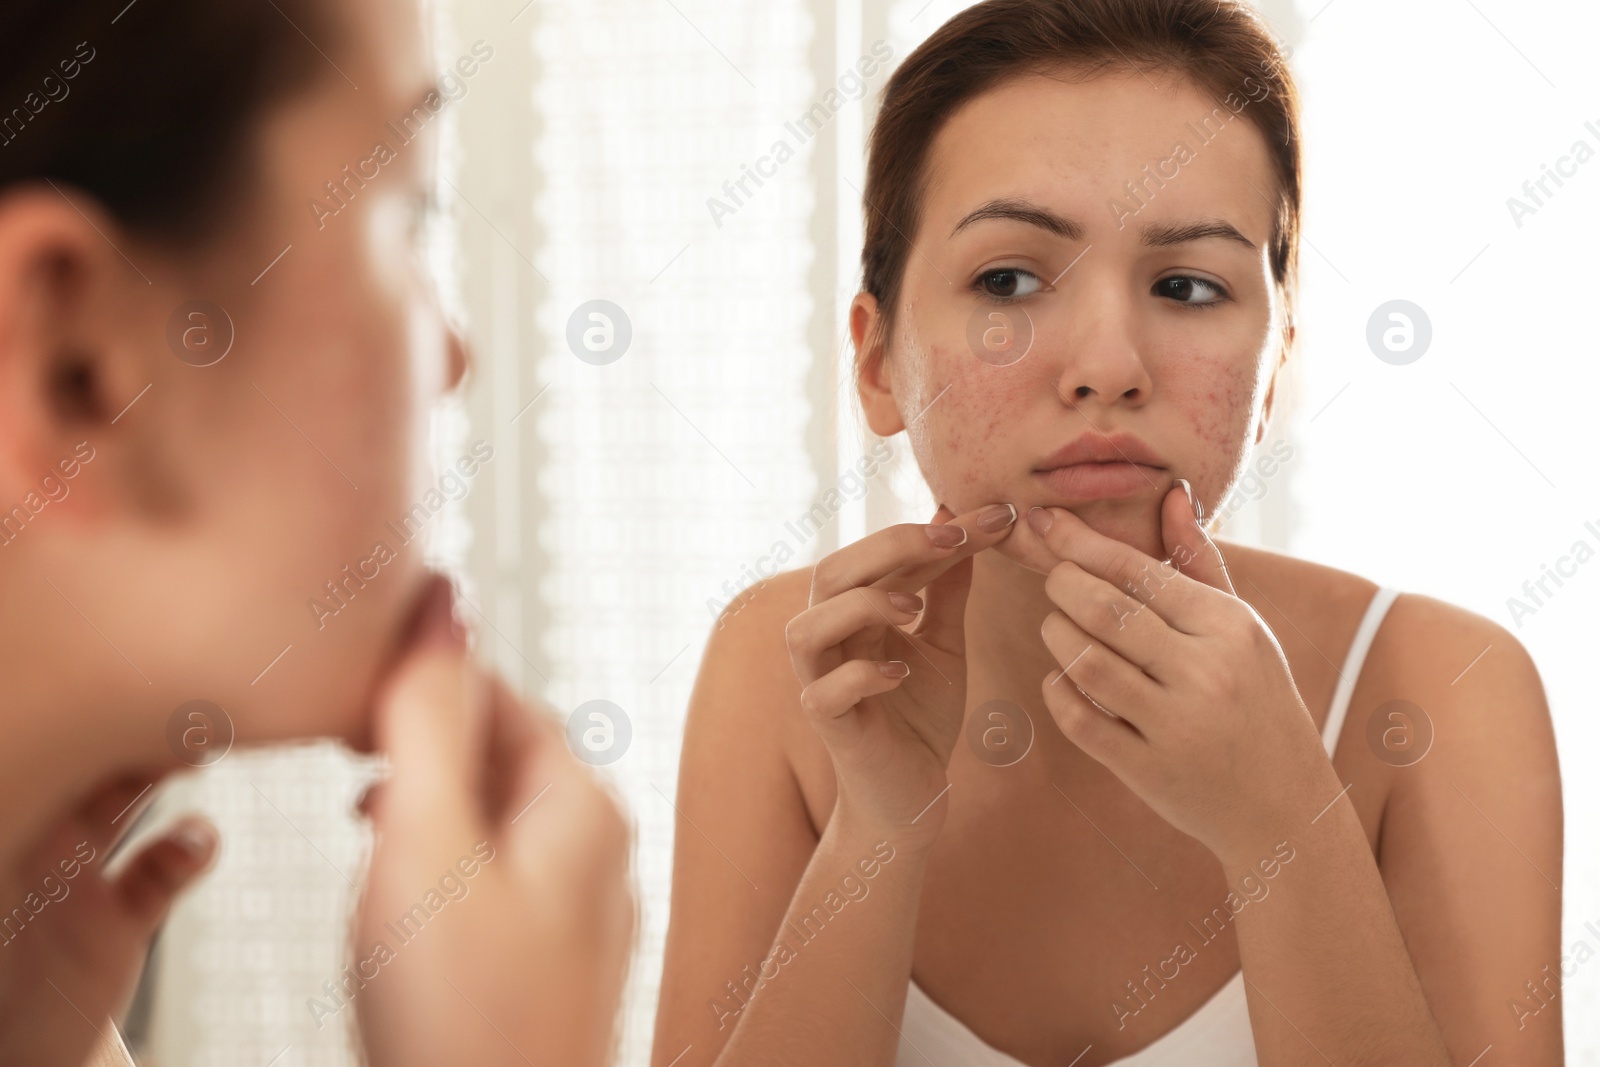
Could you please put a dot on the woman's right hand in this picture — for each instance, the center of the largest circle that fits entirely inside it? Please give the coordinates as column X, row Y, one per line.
column 490, row 821
column 884, row 670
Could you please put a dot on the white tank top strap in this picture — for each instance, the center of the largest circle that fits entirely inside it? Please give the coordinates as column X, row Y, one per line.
column 1353, row 660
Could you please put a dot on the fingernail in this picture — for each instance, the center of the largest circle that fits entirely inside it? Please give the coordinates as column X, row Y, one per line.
column 946, row 536
column 436, row 623
column 894, row 669
column 196, row 837
column 1183, row 483
column 996, row 517
column 1041, row 520
column 1195, row 506
column 906, row 602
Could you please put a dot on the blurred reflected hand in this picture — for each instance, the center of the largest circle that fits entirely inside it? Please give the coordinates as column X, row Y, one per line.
column 74, row 963
column 497, row 920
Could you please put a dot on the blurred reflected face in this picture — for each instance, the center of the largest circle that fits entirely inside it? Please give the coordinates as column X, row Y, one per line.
column 259, row 556
column 1089, row 311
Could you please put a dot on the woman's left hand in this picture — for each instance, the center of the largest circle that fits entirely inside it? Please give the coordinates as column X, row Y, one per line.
column 1209, row 729
column 74, row 962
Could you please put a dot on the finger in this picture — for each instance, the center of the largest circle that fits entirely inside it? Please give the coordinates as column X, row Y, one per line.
column 830, row 697
column 107, row 924
column 560, row 820
column 1110, row 741
column 1110, row 680
column 944, row 623
column 430, row 721
column 1188, row 545
column 1179, row 600
column 513, row 736
column 92, row 832
column 817, row 630
column 1121, row 622
column 106, row 816
column 988, row 526
column 154, row 879
column 907, row 556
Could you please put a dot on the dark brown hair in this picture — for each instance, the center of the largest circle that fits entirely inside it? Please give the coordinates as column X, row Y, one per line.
column 1222, row 46
column 148, row 106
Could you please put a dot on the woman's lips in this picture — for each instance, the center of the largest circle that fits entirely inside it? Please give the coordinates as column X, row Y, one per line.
column 1114, row 480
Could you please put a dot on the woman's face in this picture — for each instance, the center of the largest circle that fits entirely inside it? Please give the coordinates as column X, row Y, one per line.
column 1127, row 218
column 202, row 538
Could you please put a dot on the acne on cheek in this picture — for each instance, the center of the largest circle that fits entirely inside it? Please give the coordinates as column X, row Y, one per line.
column 964, row 437
column 1220, row 416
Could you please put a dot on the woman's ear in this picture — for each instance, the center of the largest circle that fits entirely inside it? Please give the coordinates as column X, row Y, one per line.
column 66, row 374
column 874, row 377
column 1278, row 371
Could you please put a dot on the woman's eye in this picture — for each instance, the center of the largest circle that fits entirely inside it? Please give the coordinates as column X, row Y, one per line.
column 1005, row 284
column 1189, row 290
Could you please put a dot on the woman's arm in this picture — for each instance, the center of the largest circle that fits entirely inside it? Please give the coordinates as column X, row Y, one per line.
column 1366, row 961
column 770, row 925
column 1471, row 841
column 757, row 968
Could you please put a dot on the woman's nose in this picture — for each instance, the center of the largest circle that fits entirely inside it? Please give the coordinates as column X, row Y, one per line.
column 1103, row 364
column 459, row 356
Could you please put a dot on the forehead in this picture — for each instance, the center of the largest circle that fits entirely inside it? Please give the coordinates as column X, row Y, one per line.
column 388, row 41
column 374, row 68
column 1077, row 145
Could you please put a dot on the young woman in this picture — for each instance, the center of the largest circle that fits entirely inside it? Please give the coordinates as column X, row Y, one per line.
column 214, row 401
column 1218, row 847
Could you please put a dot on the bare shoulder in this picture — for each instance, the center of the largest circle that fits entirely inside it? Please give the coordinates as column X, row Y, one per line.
column 1464, row 679
column 746, row 660
column 748, row 645
column 1297, row 589
column 1474, row 685
column 747, row 665
column 1424, row 646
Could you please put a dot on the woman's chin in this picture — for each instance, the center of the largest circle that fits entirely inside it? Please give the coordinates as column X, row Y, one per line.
column 1026, row 550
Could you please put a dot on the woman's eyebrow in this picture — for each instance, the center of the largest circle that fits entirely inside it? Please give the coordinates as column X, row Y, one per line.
column 1177, row 233
column 1156, row 234
column 1019, row 210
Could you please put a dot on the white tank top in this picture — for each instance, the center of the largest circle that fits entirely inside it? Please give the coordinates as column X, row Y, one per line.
column 1218, row 1033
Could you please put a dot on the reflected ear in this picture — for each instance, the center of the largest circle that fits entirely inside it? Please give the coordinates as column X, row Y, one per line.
column 63, row 370
column 874, row 377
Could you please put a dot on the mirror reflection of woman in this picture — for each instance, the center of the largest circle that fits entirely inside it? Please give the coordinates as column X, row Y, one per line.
column 166, row 524
column 1218, row 848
